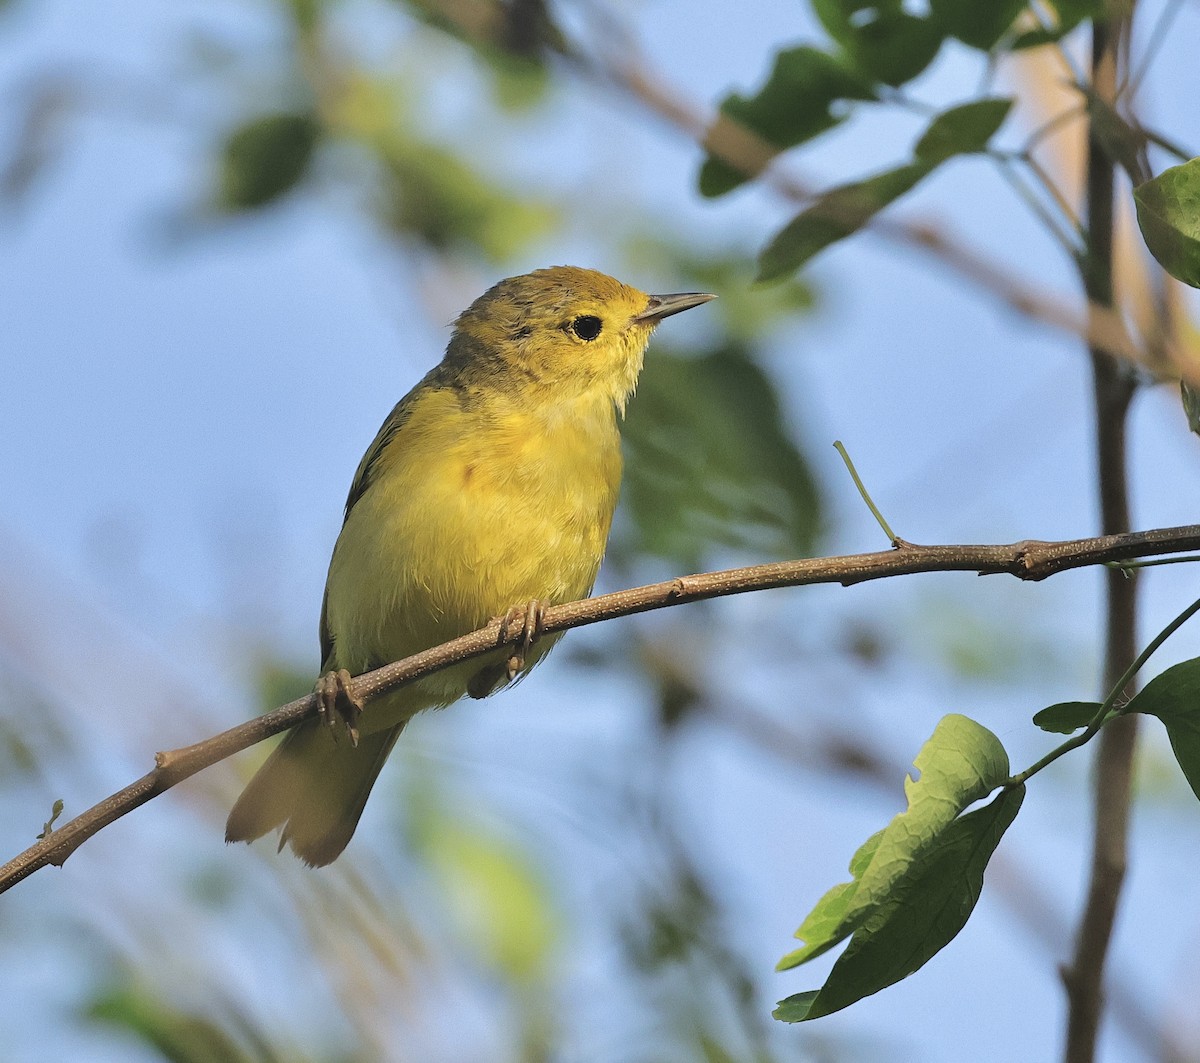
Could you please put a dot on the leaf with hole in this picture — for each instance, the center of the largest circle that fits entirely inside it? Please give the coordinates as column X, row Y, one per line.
column 1064, row 16
column 961, row 763
column 913, row 883
column 980, row 25
column 884, row 41
column 921, row 914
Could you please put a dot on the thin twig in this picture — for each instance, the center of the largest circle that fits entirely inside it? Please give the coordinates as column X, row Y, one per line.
column 1027, row 560
column 1109, row 708
column 1068, row 241
column 725, row 138
column 741, row 148
column 840, row 447
column 1158, row 35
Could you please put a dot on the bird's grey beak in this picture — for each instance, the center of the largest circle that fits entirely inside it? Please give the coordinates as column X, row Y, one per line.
column 661, row 306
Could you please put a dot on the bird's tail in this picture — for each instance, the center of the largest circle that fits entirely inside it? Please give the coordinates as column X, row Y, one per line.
column 314, row 787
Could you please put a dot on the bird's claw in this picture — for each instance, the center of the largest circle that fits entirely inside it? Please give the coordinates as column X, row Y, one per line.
column 336, row 701
column 530, row 618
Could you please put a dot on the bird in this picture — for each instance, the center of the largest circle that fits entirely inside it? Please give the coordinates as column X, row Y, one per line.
column 488, row 492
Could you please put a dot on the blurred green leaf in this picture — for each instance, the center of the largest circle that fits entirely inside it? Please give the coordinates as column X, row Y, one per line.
column 1174, row 697
column 886, row 43
column 499, row 900
column 432, row 194
column 518, row 28
column 961, row 763
column 306, row 14
column 1065, row 15
column 981, row 25
column 265, row 158
column 1191, row 405
column 795, row 105
column 711, row 462
column 518, row 83
column 176, row 1035
column 1168, row 211
column 918, row 916
column 677, row 920
column 511, row 38
column 40, row 120
column 1067, row 716
column 834, row 215
column 962, row 130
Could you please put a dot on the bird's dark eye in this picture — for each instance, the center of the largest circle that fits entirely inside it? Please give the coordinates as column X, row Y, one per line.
column 587, row 327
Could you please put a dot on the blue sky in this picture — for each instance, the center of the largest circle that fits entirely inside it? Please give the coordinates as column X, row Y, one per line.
column 184, row 416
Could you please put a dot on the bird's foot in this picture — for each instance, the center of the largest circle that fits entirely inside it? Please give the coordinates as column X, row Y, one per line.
column 528, row 620
column 525, row 619
column 336, row 701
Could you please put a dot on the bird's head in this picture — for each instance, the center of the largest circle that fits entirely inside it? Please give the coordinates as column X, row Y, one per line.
column 563, row 331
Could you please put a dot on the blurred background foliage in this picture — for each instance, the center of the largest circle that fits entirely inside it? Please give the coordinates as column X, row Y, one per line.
column 606, row 865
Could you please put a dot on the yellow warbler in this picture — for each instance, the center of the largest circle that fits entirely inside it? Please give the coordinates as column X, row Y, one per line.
column 489, row 491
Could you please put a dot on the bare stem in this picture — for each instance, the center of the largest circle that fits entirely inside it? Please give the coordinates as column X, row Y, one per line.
column 1114, row 387
column 1027, row 560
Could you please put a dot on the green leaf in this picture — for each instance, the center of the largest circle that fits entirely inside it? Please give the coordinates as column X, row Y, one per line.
column 1191, row 405
column 962, row 130
column 835, row 215
column 961, row 763
column 885, row 42
column 978, row 24
column 174, row 1034
column 499, row 899
column 1168, row 211
column 265, row 158
column 1174, row 697
column 1067, row 716
column 918, row 917
column 433, row 195
column 827, row 924
column 1066, row 16
column 56, row 810
column 711, row 462
column 794, row 106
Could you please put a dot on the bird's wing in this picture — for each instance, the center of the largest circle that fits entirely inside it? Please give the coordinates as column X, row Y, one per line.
column 370, row 465
column 390, row 428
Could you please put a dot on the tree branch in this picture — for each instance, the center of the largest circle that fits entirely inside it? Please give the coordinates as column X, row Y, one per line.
column 1100, row 326
column 1027, row 560
column 1114, row 387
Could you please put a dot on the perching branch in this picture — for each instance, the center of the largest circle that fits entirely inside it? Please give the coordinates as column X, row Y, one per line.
column 1027, row 560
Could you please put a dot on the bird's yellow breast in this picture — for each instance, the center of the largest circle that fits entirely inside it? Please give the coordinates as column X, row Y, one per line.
column 476, row 504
